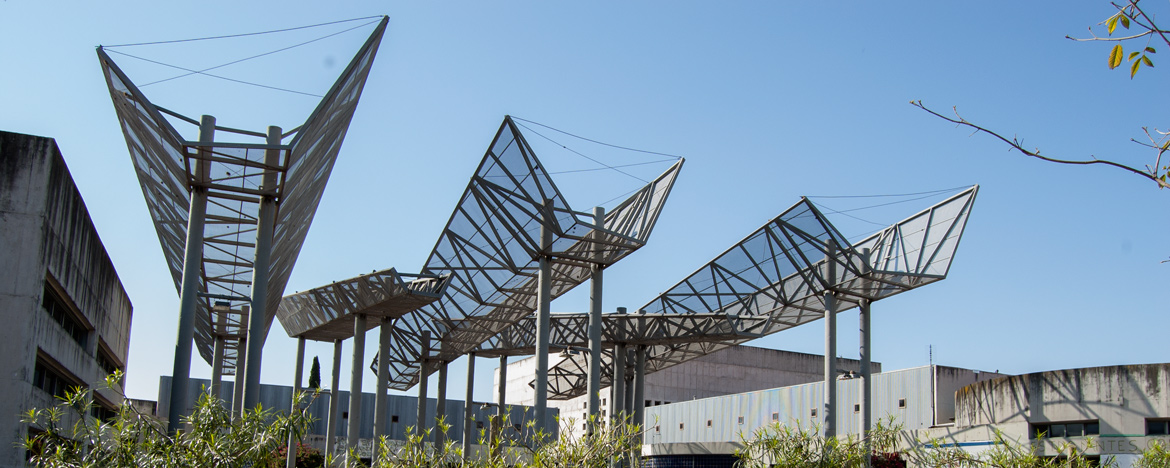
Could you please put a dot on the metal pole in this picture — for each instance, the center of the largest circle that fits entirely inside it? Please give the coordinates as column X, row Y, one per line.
column 544, row 299
column 189, row 292
column 467, row 418
column 265, row 223
column 355, row 381
column 425, row 340
column 640, row 386
column 866, row 380
column 830, row 394
column 383, row 379
column 217, row 368
column 292, row 438
column 238, row 382
column 595, row 291
column 618, row 406
column 334, row 400
column 502, row 392
column 441, row 406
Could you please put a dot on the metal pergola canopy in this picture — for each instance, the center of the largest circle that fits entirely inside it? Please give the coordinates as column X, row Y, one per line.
column 491, row 245
column 234, row 174
column 327, row 313
column 773, row 280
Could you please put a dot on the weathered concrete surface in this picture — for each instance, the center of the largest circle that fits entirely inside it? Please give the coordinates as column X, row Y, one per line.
column 47, row 240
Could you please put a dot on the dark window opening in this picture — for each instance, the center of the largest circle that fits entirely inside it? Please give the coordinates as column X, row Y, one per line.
column 345, row 415
column 775, row 417
column 479, row 424
column 856, row 408
column 1066, row 429
column 901, row 403
column 394, row 418
column 741, row 420
column 52, row 380
column 56, row 307
column 1157, row 426
column 680, row 426
column 814, row 412
column 708, row 423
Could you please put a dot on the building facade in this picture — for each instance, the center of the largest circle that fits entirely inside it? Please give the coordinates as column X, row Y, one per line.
column 66, row 315
column 732, row 370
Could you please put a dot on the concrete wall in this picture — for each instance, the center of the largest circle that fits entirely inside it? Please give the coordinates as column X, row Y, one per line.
column 46, row 235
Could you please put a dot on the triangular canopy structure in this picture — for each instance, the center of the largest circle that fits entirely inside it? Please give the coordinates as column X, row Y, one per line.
column 491, row 245
column 234, row 174
column 779, row 274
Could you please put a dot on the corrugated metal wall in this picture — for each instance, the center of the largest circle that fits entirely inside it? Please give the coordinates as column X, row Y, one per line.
column 718, row 419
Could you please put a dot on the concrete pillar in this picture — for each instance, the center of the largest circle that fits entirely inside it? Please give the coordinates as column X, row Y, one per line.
column 189, row 289
column 258, row 324
column 355, row 381
column 866, row 377
column 544, row 299
column 334, row 399
column 424, row 353
column 291, row 462
column 595, row 324
column 383, row 378
column 829, row 428
column 441, row 406
column 468, row 435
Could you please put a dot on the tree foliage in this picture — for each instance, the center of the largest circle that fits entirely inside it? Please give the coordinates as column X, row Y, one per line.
column 315, row 375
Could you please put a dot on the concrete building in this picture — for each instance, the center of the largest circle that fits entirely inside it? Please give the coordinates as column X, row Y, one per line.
column 732, row 370
column 1123, row 409
column 66, row 315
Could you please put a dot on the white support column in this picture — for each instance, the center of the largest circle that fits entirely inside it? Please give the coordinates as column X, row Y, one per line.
column 189, row 291
column 639, row 409
column 866, row 377
column 425, row 352
column 383, row 379
column 334, row 399
column 595, row 304
column 265, row 224
column 543, row 319
column 291, row 461
column 355, row 381
column 501, row 407
column 829, row 417
column 468, row 435
column 441, row 406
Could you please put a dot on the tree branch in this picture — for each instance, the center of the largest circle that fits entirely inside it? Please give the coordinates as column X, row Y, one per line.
column 1015, row 143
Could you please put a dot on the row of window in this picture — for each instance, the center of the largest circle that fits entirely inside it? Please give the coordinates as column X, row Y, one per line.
column 1154, row 426
column 56, row 307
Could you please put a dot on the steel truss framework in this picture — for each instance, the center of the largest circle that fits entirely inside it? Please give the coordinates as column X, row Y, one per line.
column 234, row 174
column 773, row 280
column 490, row 248
column 327, row 313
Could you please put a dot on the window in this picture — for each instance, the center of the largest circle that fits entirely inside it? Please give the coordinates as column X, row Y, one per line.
column 657, row 428
column 345, row 415
column 394, row 418
column 814, row 412
column 647, row 403
column 657, row 402
column 856, row 408
column 680, row 426
column 901, row 403
column 52, row 378
column 1066, row 429
column 708, row 423
column 775, row 417
column 1157, row 426
column 740, row 420
column 479, row 424
column 103, row 410
column 57, row 307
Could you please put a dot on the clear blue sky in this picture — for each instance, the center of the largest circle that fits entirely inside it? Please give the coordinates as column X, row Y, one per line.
column 768, row 101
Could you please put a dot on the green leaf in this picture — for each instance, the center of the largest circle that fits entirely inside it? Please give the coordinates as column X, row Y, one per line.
column 1134, row 68
column 1147, row 61
column 1111, row 23
column 1151, row 50
column 1132, row 55
column 1124, row 21
column 1115, row 56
